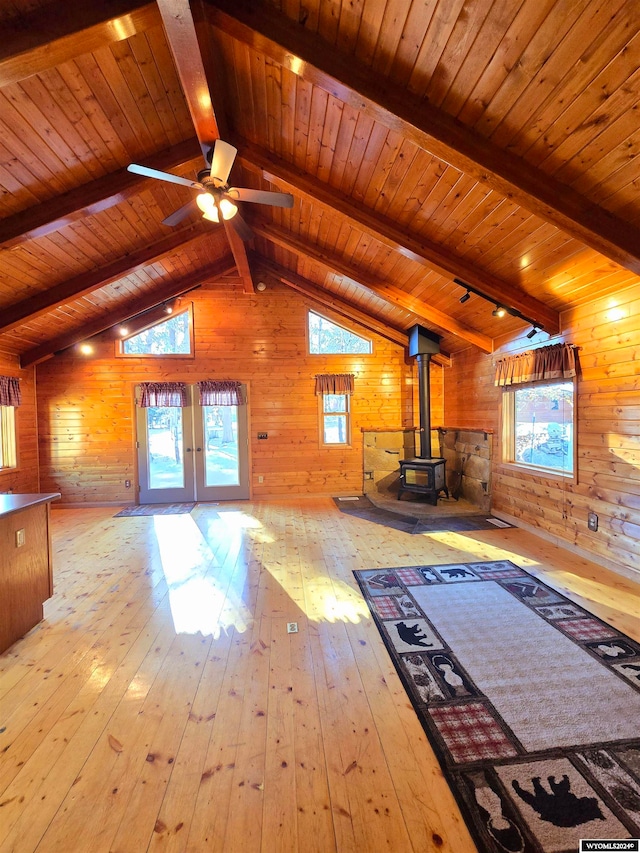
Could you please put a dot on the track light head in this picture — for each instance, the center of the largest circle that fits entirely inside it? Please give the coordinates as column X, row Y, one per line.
column 498, row 311
column 533, row 332
column 465, row 297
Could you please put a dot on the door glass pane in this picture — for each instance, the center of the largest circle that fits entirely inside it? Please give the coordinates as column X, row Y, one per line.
column 221, row 445
column 166, row 453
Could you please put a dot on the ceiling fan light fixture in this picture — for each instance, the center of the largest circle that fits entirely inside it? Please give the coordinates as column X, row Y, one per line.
column 209, row 208
column 207, row 205
column 228, row 208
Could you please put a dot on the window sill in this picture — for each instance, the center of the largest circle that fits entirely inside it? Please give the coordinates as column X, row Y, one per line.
column 540, row 471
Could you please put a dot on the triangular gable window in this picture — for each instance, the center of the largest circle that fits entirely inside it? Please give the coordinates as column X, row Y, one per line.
column 167, row 337
column 327, row 338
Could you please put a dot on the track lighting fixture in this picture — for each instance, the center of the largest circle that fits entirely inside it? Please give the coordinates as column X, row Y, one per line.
column 499, row 310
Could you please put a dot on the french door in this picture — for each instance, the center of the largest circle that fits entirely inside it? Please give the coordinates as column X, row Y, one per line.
column 194, row 453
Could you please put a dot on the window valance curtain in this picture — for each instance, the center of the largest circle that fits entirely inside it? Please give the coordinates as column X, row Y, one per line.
column 225, row 392
column 172, row 394
column 557, row 361
column 334, row 383
column 10, row 394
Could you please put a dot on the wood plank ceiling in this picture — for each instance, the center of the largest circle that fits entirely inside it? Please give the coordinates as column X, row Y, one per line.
column 490, row 141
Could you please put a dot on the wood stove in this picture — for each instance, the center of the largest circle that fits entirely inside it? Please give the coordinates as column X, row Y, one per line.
column 424, row 477
column 423, row 474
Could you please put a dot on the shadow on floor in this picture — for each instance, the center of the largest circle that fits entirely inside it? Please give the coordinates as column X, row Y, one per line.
column 415, row 516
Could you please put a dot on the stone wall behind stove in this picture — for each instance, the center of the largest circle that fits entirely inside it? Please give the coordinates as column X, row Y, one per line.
column 467, row 454
column 383, row 450
column 468, row 457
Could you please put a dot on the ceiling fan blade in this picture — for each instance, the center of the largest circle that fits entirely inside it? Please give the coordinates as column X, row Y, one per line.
column 261, row 196
column 241, row 228
column 181, row 213
column 163, row 176
column 222, row 160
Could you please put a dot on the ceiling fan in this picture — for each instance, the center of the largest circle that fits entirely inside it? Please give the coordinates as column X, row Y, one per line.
column 216, row 199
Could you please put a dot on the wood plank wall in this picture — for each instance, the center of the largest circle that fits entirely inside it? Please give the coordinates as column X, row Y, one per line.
column 86, row 409
column 608, row 433
column 24, row 478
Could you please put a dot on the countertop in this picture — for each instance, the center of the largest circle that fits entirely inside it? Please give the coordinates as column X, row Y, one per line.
column 14, row 503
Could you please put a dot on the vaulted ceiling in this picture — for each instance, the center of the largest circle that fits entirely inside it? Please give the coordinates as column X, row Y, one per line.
column 426, row 143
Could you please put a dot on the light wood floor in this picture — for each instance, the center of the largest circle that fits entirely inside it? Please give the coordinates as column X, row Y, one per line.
column 162, row 705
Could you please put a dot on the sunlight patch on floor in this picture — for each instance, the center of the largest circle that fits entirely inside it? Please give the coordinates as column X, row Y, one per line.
column 239, row 521
column 465, row 549
column 598, row 592
column 199, row 601
column 331, row 600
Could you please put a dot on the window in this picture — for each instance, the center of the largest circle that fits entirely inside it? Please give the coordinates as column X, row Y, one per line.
column 334, row 419
column 327, row 338
column 8, row 454
column 168, row 337
column 538, row 426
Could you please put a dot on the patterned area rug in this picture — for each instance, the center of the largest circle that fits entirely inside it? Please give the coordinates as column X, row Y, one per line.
column 531, row 703
column 362, row 507
column 155, row 509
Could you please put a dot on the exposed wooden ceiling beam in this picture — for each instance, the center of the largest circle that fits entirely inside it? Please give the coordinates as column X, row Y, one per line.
column 58, row 32
column 194, row 62
column 90, row 198
column 105, row 192
column 330, row 300
column 392, row 295
column 342, row 307
column 423, row 251
column 180, row 29
column 81, row 285
column 159, row 295
column 240, row 254
column 282, row 40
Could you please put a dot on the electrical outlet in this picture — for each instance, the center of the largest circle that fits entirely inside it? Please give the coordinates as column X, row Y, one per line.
column 127, row 484
column 292, row 627
column 262, row 435
column 260, row 478
column 20, row 537
column 592, row 521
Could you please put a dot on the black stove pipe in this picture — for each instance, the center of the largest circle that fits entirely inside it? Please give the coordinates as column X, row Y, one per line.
column 424, row 394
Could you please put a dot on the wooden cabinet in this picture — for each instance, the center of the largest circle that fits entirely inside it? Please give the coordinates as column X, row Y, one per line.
column 26, row 578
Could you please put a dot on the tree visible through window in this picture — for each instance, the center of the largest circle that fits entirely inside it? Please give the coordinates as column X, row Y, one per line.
column 335, row 419
column 169, row 337
column 539, row 425
column 327, row 338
